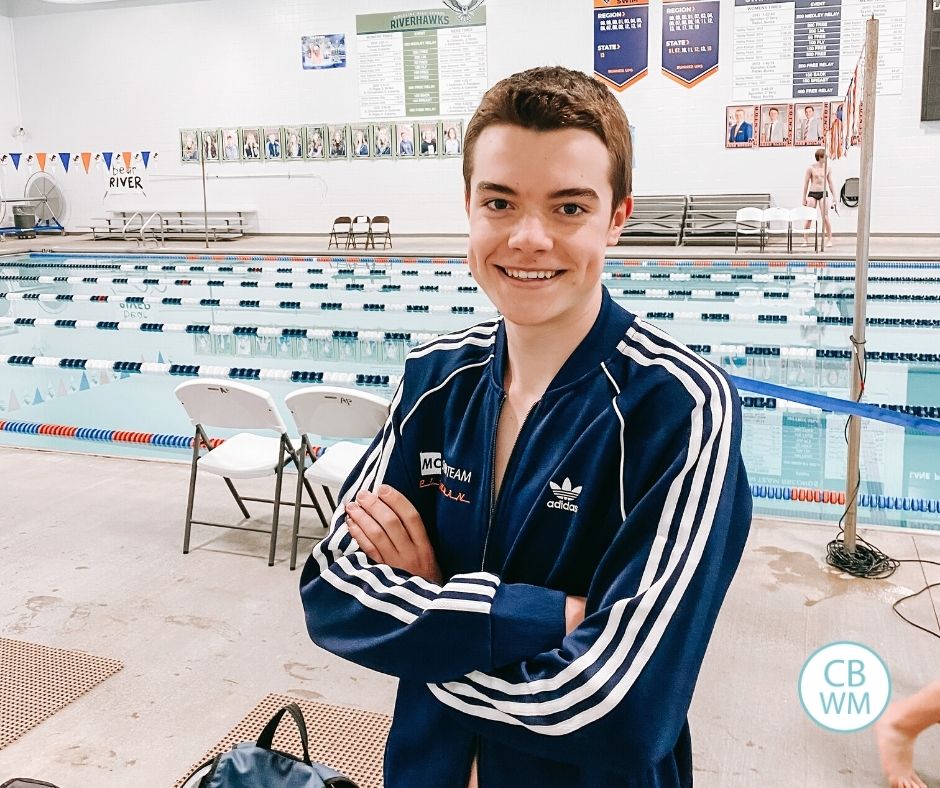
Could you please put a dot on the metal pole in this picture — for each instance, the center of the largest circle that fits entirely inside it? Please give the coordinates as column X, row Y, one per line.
column 824, row 205
column 205, row 204
column 861, row 276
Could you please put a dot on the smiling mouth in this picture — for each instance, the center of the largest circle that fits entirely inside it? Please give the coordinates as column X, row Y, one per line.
column 524, row 274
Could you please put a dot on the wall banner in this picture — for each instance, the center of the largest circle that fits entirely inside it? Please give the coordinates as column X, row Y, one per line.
column 621, row 41
column 690, row 40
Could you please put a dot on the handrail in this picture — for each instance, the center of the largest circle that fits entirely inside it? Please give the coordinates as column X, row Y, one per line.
column 143, row 227
column 128, row 223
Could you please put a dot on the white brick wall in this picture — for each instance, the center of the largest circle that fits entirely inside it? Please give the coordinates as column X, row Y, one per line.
column 129, row 78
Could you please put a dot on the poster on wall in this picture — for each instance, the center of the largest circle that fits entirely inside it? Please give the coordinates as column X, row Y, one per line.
column 808, row 49
column 809, row 123
column 776, row 125
column 230, row 147
column 621, row 41
column 189, row 145
column 420, row 63
column 690, row 40
column 405, row 135
column 323, row 51
column 740, row 120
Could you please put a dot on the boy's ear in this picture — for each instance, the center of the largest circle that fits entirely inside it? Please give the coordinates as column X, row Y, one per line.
column 618, row 218
column 466, row 202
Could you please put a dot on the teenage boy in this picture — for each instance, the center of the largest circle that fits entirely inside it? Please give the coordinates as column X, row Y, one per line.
column 539, row 540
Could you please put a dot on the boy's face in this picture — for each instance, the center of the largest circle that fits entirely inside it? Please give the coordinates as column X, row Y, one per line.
column 539, row 201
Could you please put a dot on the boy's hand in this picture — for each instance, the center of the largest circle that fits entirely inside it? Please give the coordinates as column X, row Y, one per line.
column 574, row 613
column 390, row 531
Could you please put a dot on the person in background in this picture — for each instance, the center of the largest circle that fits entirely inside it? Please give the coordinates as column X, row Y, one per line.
column 315, row 147
column 538, row 541
column 406, row 145
column 230, row 149
column 773, row 127
column 251, row 150
column 741, row 130
column 815, row 195
column 897, row 730
column 809, row 129
column 452, row 142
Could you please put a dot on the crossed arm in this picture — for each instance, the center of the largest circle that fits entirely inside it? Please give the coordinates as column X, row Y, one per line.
column 389, row 530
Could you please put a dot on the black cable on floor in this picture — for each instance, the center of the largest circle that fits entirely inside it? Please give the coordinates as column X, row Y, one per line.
column 868, row 561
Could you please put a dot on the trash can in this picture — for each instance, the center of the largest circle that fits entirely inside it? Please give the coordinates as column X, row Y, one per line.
column 24, row 217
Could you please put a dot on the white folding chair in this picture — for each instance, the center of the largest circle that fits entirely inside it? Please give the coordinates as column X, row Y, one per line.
column 749, row 221
column 331, row 412
column 777, row 222
column 246, row 455
column 803, row 215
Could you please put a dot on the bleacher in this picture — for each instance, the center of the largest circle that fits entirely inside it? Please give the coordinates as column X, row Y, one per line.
column 681, row 219
column 710, row 218
column 658, row 217
column 169, row 225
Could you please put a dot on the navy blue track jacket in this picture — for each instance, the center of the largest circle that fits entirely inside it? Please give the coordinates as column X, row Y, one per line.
column 626, row 486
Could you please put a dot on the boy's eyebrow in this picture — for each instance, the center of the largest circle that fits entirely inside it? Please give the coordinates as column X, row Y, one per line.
column 488, row 186
column 582, row 192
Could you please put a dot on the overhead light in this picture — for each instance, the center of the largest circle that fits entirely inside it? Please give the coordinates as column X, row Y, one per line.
column 77, row 2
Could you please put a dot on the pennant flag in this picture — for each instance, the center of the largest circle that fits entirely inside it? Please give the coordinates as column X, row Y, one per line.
column 160, row 359
column 16, row 159
column 14, row 402
column 83, row 386
column 107, row 158
column 41, row 158
column 37, row 399
column 86, row 160
column 63, row 392
column 65, row 158
column 145, row 155
column 105, row 378
column 126, row 155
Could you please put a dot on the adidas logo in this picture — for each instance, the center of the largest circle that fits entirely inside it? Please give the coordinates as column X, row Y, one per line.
column 564, row 494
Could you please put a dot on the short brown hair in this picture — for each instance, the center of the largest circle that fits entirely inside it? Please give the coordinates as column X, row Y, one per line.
column 820, row 154
column 548, row 98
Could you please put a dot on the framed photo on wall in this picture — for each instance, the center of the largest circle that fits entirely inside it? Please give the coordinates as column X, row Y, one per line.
column 273, row 143
column 776, row 125
column 382, row 142
column 250, row 139
column 189, row 145
column 210, row 144
column 809, row 121
column 339, row 142
column 451, row 138
column 428, row 135
column 231, row 150
column 293, row 142
column 361, row 135
column 315, row 142
column 740, row 120
column 405, row 140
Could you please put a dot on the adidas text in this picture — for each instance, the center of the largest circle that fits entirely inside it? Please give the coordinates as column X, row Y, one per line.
column 568, row 507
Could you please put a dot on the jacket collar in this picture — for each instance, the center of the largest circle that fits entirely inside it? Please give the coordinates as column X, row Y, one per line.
column 609, row 328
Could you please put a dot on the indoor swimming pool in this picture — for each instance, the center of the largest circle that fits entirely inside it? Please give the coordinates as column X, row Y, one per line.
column 91, row 348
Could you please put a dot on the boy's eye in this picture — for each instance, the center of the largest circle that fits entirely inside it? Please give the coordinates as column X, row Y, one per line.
column 571, row 209
column 499, row 204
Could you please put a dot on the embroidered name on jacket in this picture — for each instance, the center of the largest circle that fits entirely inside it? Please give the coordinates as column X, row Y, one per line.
column 433, row 464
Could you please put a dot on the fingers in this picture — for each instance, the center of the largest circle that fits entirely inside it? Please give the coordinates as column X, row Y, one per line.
column 363, row 541
column 406, row 512
column 373, row 533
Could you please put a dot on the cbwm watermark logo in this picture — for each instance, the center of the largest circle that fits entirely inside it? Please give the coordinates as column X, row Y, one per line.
column 844, row 687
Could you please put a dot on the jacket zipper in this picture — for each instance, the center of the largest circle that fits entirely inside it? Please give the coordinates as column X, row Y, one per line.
column 494, row 499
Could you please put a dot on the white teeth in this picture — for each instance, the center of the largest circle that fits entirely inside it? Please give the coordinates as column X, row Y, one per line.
column 518, row 273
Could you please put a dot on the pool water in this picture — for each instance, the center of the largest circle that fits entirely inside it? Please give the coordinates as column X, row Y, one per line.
column 98, row 343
